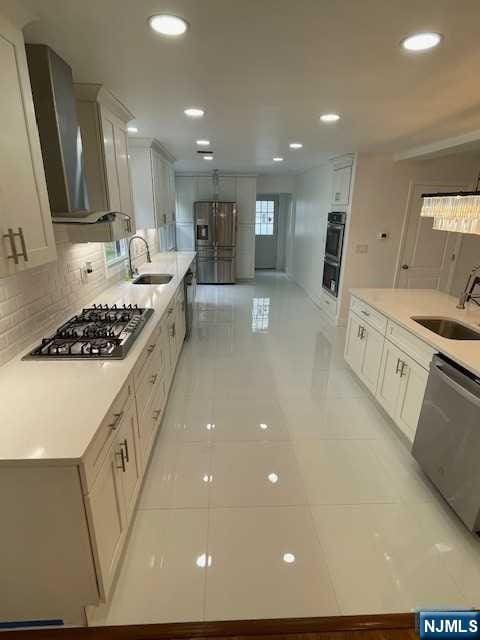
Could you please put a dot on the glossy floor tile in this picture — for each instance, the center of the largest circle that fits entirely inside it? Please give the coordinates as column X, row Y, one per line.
column 277, row 487
column 266, row 563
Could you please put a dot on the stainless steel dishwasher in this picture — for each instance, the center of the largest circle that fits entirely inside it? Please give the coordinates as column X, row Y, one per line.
column 447, row 442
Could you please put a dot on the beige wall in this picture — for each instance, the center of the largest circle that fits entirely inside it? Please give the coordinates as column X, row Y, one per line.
column 35, row 302
column 312, row 203
column 379, row 202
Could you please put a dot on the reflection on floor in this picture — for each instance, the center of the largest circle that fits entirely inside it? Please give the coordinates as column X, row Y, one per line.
column 276, row 488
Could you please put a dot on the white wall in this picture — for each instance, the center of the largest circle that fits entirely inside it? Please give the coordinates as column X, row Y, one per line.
column 379, row 203
column 312, row 203
column 283, row 183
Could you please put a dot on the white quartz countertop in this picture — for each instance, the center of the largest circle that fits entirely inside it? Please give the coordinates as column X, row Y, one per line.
column 401, row 304
column 51, row 409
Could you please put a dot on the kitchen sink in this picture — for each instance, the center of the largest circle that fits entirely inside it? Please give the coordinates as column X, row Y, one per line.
column 447, row 328
column 153, row 278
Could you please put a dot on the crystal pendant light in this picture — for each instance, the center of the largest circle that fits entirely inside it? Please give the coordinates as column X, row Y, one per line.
column 458, row 211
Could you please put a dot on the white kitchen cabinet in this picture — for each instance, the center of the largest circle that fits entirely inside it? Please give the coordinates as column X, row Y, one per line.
column 180, row 326
column 246, row 198
column 103, row 123
column 26, row 230
column 401, row 388
column 363, row 350
column 186, row 194
column 127, row 443
column 341, row 186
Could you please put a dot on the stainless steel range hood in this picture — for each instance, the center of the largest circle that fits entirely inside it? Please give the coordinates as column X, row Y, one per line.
column 60, row 138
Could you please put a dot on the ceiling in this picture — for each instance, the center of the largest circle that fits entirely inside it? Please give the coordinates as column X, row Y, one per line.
column 264, row 70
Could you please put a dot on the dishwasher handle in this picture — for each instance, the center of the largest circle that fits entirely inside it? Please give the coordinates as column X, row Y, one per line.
column 440, row 369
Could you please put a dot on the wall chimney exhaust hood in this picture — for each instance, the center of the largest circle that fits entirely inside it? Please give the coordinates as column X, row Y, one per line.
column 62, row 146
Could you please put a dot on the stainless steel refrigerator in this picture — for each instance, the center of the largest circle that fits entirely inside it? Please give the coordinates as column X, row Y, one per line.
column 215, row 241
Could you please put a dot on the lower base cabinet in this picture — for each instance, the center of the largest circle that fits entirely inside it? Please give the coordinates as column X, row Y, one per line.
column 397, row 381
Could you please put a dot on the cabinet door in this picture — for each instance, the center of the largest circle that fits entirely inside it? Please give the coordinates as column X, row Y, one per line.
column 372, row 356
column 180, row 325
column 123, row 171
column 23, row 193
column 172, row 194
column 246, row 197
column 413, row 384
column 389, row 381
column 108, row 131
column 107, row 520
column 227, row 188
column 354, row 345
column 127, row 452
column 341, row 186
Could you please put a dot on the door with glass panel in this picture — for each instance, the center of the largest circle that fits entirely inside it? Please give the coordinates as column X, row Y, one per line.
column 266, row 223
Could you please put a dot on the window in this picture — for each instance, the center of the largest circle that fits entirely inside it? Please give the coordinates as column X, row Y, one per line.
column 115, row 251
column 264, row 217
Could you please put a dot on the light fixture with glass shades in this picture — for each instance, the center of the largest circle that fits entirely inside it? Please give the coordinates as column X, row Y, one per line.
column 457, row 211
column 168, row 25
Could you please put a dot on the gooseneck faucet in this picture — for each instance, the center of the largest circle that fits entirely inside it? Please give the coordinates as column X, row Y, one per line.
column 467, row 293
column 133, row 271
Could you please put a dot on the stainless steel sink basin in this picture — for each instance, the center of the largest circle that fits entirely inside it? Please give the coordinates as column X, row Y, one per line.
column 153, row 278
column 447, row 328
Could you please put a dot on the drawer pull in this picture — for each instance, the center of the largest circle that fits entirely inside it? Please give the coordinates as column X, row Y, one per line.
column 365, row 313
column 122, row 460
column 125, row 444
column 156, row 414
column 404, row 366
column 398, row 366
column 153, row 379
column 117, row 417
column 151, row 348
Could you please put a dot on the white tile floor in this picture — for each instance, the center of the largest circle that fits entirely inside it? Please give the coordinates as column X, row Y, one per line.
column 276, row 487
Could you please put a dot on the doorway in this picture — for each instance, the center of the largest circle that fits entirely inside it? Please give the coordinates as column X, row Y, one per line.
column 266, row 232
column 427, row 257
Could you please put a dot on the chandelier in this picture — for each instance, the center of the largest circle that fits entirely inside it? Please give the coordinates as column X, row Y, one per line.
column 458, row 211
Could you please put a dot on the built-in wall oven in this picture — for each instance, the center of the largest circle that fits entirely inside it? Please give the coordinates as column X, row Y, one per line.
column 333, row 251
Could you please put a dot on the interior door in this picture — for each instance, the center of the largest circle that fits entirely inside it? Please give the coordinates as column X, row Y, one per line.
column 428, row 256
column 266, row 223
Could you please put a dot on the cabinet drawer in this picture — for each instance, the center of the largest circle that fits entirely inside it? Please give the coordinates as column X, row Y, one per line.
column 151, row 375
column 329, row 305
column 150, row 421
column 147, row 354
column 99, row 447
column 370, row 315
column 413, row 346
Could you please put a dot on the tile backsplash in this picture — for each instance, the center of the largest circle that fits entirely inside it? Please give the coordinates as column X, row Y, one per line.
column 34, row 302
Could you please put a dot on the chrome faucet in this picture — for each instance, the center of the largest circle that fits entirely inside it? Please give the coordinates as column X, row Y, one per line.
column 472, row 281
column 133, row 271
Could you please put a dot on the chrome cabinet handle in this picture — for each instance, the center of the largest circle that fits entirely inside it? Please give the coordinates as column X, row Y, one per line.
column 117, row 418
column 122, row 460
column 153, row 379
column 151, row 347
column 156, row 414
column 365, row 313
column 404, row 366
column 359, row 330
column 125, row 444
column 15, row 255
column 398, row 366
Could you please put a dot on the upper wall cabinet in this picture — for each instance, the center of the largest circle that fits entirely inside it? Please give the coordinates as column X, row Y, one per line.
column 153, row 178
column 26, row 231
column 103, row 123
column 341, row 182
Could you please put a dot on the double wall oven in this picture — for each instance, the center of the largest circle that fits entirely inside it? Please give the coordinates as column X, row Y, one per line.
column 333, row 251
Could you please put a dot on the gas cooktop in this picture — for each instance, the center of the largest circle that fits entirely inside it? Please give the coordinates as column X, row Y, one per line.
column 99, row 332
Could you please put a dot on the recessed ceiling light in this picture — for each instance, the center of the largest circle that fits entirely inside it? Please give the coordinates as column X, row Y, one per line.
column 330, row 117
column 277, row 159
column 168, row 25
column 288, row 558
column 421, row 41
column 132, row 129
column 295, row 145
column 194, row 112
column 208, row 157
column 203, row 143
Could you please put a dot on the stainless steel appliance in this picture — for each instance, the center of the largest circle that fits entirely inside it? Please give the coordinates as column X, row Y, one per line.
column 333, row 251
column 98, row 332
column 55, row 105
column 447, row 441
column 215, row 241
column 190, row 282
